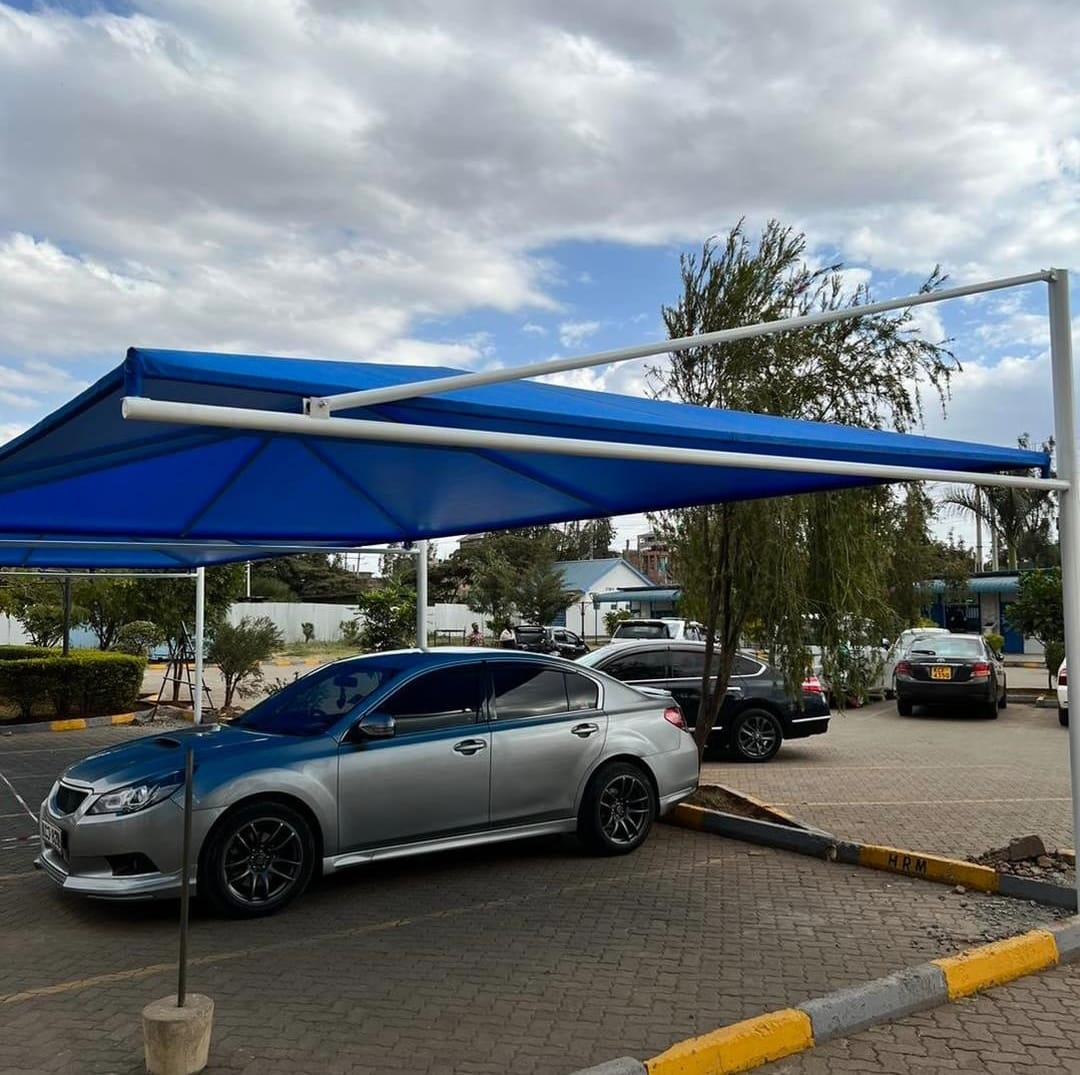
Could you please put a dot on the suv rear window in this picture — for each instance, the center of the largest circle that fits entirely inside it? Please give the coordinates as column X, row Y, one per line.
column 640, row 630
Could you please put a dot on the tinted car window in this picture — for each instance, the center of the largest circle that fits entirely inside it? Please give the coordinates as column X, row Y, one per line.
column 439, row 699
column 527, row 690
column 947, row 646
column 315, row 701
column 687, row 663
column 640, row 630
column 744, row 666
column 646, row 665
column 582, row 693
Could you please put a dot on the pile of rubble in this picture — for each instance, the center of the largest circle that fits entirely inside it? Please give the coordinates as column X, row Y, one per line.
column 1029, row 857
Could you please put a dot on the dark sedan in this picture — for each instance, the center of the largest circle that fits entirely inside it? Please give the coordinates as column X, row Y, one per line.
column 757, row 714
column 951, row 669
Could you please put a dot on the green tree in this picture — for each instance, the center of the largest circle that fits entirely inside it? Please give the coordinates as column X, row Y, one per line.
column 590, row 539
column 170, row 603
column 1039, row 612
column 493, row 590
column 795, row 561
column 239, row 651
column 912, row 556
column 1021, row 518
column 387, row 617
column 312, row 576
column 540, row 594
column 107, row 604
column 37, row 603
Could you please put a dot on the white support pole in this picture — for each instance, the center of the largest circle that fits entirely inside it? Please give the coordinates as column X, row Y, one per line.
column 324, row 406
column 1068, row 467
column 200, row 625
column 205, row 414
column 421, row 548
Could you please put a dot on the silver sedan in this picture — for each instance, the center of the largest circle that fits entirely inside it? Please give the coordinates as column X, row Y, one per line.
column 372, row 758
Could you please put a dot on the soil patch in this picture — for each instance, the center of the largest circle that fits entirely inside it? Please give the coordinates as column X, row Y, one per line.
column 715, row 797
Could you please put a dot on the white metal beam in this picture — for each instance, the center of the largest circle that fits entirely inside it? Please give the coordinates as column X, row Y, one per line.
column 324, row 406
column 1061, row 365
column 200, row 638
column 200, row 414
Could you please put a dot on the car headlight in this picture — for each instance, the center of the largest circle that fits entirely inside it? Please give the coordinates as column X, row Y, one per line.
column 137, row 796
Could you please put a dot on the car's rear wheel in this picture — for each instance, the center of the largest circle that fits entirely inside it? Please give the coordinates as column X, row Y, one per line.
column 1063, row 717
column 756, row 735
column 1003, row 701
column 904, row 707
column 258, row 859
column 618, row 809
column 990, row 710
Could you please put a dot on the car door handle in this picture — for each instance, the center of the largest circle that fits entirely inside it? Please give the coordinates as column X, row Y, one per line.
column 470, row 746
column 583, row 731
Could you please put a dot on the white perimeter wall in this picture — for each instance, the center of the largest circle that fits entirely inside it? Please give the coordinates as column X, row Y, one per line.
column 289, row 615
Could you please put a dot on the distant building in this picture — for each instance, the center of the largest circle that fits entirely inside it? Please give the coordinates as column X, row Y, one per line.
column 587, row 580
column 983, row 608
column 651, row 558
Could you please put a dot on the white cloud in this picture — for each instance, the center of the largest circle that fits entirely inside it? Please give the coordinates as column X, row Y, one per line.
column 533, row 329
column 575, row 333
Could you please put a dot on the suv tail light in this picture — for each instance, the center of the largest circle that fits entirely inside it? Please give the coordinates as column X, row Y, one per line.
column 903, row 668
column 1063, row 678
column 673, row 715
column 813, row 685
column 980, row 668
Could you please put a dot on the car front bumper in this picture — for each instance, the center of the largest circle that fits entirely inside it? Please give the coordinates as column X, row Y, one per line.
column 94, row 859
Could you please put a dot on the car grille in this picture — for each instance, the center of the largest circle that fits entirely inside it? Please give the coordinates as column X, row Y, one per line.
column 68, row 799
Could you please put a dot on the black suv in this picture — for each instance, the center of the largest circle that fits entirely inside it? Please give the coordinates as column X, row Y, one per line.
column 533, row 639
column 757, row 714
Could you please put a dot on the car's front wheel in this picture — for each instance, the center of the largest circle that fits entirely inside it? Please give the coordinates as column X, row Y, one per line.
column 618, row 809
column 757, row 735
column 258, row 859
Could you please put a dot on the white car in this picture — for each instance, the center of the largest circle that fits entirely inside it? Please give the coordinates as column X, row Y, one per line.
column 636, row 630
column 1063, row 696
column 887, row 683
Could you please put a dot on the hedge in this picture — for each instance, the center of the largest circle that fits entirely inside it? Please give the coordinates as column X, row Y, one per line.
column 88, row 682
column 21, row 653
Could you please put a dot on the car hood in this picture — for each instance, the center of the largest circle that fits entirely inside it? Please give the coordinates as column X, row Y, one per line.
column 162, row 754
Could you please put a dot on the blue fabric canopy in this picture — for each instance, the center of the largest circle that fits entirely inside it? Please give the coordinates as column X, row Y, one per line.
column 86, row 474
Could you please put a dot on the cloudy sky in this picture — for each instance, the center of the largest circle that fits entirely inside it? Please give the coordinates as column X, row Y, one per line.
column 469, row 183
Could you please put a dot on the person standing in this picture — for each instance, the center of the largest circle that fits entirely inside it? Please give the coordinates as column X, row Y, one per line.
column 506, row 639
column 475, row 638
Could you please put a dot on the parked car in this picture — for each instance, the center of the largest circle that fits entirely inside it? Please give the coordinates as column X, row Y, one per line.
column 887, row 682
column 567, row 644
column 1063, row 695
column 757, row 713
column 631, row 630
column 532, row 639
column 951, row 668
column 371, row 758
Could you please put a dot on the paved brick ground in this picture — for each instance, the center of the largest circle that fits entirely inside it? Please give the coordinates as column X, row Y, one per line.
column 951, row 784
column 1028, row 1028
column 532, row 955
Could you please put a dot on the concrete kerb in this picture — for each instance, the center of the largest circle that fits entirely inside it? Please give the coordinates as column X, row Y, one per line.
column 916, row 864
column 76, row 724
column 774, row 1035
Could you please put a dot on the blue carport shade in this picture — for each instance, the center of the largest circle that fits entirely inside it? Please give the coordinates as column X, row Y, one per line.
column 86, row 473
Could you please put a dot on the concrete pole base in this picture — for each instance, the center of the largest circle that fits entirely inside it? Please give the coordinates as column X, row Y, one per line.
column 177, row 1040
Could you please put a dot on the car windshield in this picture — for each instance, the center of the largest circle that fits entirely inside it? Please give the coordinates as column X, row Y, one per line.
column 640, row 630
column 946, row 646
column 311, row 704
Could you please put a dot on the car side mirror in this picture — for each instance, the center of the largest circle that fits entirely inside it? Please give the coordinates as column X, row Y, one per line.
column 374, row 726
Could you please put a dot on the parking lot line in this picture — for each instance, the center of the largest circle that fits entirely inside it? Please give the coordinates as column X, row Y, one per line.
column 151, row 969
column 18, row 798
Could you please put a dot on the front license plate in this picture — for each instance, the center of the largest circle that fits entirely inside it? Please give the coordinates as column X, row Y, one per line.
column 940, row 671
column 52, row 837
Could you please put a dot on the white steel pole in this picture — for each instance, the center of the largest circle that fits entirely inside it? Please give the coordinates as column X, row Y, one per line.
column 1068, row 467
column 323, row 406
column 200, row 625
column 421, row 593
column 206, row 414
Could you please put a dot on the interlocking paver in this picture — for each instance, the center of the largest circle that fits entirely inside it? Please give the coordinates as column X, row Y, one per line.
column 953, row 784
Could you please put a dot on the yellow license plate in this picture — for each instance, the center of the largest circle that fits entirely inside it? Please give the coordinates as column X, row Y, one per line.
column 940, row 671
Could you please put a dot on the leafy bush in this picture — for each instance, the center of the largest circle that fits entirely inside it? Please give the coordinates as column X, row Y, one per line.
column 1055, row 654
column 22, row 653
column 138, row 637
column 389, row 617
column 309, row 631
column 350, row 632
column 995, row 642
column 239, row 649
column 88, row 681
column 613, row 618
